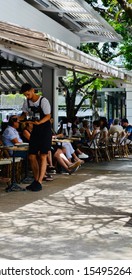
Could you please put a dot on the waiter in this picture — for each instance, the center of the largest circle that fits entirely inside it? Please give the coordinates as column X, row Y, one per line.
column 38, row 110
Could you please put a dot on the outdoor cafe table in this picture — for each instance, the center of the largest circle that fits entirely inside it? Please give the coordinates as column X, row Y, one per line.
column 64, row 140
column 18, row 148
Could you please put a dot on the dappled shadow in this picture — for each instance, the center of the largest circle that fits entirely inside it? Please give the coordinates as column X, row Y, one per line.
column 83, row 221
column 14, row 200
column 83, row 216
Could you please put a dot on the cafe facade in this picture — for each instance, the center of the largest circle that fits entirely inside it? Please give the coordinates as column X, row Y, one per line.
column 43, row 38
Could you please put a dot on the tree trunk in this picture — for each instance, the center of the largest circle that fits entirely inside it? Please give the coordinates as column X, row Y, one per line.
column 94, row 105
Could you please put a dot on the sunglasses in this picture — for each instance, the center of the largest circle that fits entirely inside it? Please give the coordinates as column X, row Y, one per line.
column 15, row 120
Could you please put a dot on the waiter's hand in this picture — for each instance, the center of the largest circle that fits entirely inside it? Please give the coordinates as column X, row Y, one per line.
column 36, row 122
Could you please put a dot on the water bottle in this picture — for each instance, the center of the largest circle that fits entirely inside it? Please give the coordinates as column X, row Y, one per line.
column 70, row 129
column 65, row 131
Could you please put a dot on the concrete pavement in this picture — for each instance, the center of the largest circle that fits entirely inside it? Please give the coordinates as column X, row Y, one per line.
column 87, row 215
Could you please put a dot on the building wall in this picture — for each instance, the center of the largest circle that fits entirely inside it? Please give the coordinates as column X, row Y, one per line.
column 21, row 13
column 129, row 103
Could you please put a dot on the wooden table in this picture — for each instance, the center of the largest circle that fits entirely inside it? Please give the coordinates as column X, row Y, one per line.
column 66, row 140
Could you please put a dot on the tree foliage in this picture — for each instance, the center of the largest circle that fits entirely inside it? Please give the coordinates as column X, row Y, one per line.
column 84, row 85
column 117, row 13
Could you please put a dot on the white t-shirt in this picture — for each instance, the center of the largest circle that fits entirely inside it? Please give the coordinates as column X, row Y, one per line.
column 45, row 105
column 115, row 128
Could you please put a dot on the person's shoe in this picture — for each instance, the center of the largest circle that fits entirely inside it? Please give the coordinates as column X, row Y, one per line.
column 83, row 156
column 65, row 172
column 81, row 161
column 74, row 165
column 29, row 187
column 51, row 170
column 48, row 177
column 36, row 187
column 73, row 170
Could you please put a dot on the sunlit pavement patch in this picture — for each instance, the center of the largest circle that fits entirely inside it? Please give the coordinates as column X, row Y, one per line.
column 87, row 220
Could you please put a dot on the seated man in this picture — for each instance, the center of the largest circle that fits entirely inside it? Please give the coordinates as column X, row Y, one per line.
column 128, row 129
column 11, row 136
column 115, row 127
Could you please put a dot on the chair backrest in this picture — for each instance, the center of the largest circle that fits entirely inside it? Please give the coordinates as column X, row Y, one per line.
column 95, row 141
column 122, row 138
column 115, row 137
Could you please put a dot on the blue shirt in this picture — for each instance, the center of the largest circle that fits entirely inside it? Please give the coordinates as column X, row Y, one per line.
column 9, row 134
column 129, row 130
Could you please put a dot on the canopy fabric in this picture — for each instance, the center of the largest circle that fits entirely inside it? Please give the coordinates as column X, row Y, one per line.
column 80, row 18
column 46, row 49
column 9, row 82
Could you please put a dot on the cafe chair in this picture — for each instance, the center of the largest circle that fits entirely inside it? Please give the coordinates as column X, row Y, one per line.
column 113, row 145
column 6, row 164
column 92, row 148
column 6, row 167
column 118, row 145
column 104, row 149
column 123, row 147
column 129, row 146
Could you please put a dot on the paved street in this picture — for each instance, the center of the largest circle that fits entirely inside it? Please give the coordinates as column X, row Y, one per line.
column 87, row 215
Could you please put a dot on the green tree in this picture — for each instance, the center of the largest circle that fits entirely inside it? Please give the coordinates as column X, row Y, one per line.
column 87, row 86
column 118, row 14
column 73, row 84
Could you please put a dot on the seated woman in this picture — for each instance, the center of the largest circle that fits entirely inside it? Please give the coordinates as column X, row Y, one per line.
column 26, row 131
column 95, row 135
column 85, row 131
column 96, row 129
column 103, row 129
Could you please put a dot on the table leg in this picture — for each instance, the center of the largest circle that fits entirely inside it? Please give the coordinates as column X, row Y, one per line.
column 14, row 186
column 27, row 179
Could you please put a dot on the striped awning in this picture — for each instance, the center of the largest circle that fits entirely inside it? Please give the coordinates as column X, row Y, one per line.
column 43, row 48
column 9, row 82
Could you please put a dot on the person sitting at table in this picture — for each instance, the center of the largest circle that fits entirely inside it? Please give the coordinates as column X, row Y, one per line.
column 77, row 131
column 70, row 152
column 127, row 129
column 95, row 134
column 26, row 131
column 96, row 129
column 103, row 128
column 73, row 152
column 75, row 126
column 62, row 160
column 115, row 127
column 11, row 136
column 85, row 131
